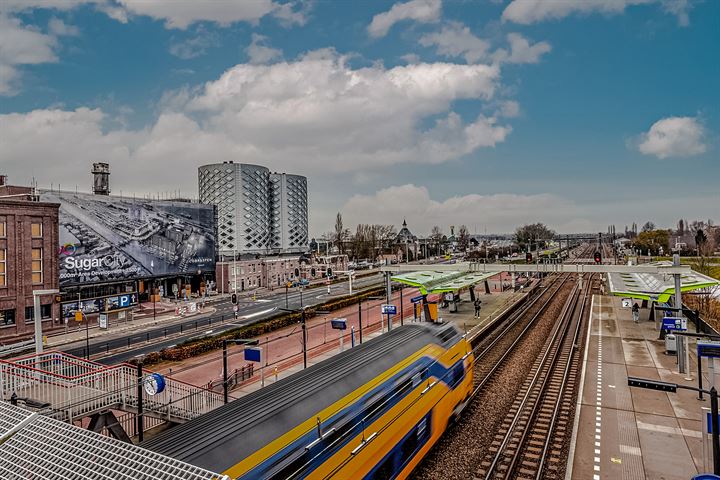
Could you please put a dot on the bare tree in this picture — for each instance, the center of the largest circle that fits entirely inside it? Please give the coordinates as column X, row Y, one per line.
column 340, row 234
column 436, row 238
column 463, row 238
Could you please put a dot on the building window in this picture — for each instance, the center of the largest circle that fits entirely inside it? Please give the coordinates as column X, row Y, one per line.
column 37, row 266
column 45, row 312
column 36, row 229
column 3, row 268
column 7, row 317
column 3, row 228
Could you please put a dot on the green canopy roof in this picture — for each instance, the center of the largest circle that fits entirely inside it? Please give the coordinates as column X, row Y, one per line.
column 429, row 281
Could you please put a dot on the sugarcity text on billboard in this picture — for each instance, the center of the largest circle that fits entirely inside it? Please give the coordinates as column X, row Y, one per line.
column 108, row 238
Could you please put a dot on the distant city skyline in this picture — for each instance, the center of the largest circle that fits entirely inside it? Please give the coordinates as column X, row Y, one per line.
column 496, row 114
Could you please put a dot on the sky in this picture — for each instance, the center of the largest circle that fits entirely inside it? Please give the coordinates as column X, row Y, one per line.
column 493, row 114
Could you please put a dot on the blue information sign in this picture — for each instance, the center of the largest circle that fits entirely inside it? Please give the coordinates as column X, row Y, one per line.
column 389, row 310
column 417, row 299
column 674, row 323
column 339, row 324
column 252, row 354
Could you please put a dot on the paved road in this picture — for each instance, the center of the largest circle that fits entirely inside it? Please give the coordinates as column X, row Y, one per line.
column 154, row 338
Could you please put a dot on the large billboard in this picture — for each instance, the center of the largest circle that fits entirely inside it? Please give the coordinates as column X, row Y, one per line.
column 105, row 239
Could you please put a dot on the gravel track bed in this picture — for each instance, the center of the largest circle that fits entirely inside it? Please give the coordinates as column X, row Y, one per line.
column 458, row 453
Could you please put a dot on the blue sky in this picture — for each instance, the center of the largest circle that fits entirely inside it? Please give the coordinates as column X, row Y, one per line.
column 492, row 114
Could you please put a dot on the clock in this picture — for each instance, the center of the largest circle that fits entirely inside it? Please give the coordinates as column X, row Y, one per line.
column 154, row 384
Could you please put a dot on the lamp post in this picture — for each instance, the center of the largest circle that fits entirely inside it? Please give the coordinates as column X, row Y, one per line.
column 37, row 317
column 225, row 364
column 304, row 328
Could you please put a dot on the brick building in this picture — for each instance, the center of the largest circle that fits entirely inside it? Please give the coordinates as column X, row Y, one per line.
column 28, row 261
column 275, row 272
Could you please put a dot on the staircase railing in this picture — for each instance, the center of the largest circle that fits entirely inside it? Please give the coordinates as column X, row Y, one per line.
column 75, row 387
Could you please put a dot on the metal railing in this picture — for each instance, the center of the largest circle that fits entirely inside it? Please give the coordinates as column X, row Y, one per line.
column 74, row 388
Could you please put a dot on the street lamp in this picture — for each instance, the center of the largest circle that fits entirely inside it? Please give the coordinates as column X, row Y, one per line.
column 38, row 317
column 301, row 310
column 225, row 366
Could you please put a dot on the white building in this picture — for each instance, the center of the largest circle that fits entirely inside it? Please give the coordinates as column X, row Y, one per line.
column 258, row 212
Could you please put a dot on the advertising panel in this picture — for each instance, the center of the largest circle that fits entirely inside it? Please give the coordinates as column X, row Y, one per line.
column 105, row 238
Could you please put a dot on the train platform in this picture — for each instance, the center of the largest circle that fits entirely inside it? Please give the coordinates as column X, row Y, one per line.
column 632, row 433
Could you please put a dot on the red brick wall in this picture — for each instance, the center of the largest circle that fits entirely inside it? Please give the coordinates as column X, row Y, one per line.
column 18, row 243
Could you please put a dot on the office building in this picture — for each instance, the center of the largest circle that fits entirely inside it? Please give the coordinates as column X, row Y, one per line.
column 259, row 212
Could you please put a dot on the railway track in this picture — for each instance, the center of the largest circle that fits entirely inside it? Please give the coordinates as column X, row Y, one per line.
column 530, row 442
column 518, row 421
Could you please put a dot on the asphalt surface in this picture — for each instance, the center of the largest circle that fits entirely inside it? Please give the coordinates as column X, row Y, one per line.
column 171, row 332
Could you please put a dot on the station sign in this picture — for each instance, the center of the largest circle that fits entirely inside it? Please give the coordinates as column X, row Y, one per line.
column 339, row 324
column 253, row 354
column 417, row 299
column 626, row 303
column 674, row 323
column 388, row 309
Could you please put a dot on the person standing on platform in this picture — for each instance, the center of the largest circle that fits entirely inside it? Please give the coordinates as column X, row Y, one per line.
column 635, row 312
column 477, row 308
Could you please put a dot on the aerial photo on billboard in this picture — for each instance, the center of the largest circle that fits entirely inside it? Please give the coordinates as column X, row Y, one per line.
column 106, row 238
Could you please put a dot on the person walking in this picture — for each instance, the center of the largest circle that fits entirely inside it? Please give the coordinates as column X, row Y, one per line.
column 477, row 308
column 635, row 312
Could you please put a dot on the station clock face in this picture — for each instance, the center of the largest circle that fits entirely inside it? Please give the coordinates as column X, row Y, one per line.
column 154, row 384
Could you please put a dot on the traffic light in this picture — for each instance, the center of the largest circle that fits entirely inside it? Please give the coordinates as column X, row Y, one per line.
column 329, row 272
column 528, row 257
column 598, row 257
column 312, row 271
column 233, row 299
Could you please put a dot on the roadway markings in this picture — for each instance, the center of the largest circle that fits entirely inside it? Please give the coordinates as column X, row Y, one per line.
column 257, row 314
column 598, row 397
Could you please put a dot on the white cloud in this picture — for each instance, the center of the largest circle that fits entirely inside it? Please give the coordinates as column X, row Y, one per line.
column 59, row 28
column 316, row 115
column 498, row 212
column 674, row 137
column 422, row 11
column 521, row 51
column 181, row 13
column 21, row 45
column 195, row 46
column 533, row 11
column 259, row 52
column 456, row 40
column 509, row 109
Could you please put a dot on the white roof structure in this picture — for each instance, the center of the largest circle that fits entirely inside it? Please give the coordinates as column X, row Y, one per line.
column 656, row 286
column 44, row 448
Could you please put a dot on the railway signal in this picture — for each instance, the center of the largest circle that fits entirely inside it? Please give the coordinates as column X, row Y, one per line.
column 598, row 257
column 528, row 257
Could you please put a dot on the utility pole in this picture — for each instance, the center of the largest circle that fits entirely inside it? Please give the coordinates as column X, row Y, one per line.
column 360, row 318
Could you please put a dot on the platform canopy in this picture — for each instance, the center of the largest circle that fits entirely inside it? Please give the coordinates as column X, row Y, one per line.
column 656, row 286
column 428, row 281
column 35, row 446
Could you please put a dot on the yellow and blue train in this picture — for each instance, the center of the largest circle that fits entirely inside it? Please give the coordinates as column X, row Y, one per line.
column 372, row 412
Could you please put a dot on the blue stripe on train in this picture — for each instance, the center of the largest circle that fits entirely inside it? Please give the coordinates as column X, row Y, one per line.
column 397, row 459
column 295, row 452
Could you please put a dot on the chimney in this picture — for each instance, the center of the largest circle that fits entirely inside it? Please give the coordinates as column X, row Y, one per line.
column 101, row 178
